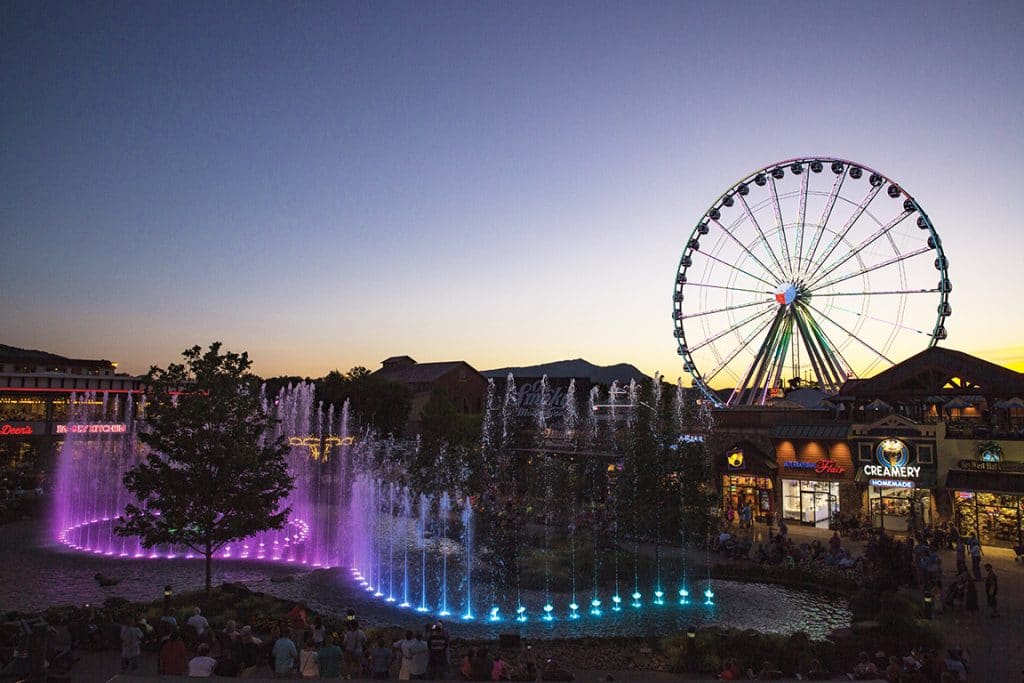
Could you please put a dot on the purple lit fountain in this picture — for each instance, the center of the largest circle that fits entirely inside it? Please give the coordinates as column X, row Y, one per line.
column 329, row 483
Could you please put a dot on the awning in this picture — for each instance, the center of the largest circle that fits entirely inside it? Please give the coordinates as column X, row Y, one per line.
column 822, row 431
column 986, row 482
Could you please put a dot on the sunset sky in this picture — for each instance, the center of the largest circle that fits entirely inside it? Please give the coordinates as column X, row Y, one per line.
column 328, row 184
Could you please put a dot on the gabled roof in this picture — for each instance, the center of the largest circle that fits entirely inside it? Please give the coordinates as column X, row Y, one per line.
column 937, row 371
column 423, row 373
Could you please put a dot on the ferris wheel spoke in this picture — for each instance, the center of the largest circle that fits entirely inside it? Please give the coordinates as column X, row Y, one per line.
column 868, row 269
column 719, row 335
column 853, row 336
column 779, row 225
column 863, row 245
column 727, row 308
column 826, row 213
column 736, row 268
column 841, row 235
column 801, row 221
column 773, row 377
column 724, row 363
column 740, row 390
column 731, row 289
column 826, row 367
column 833, row 357
column 764, row 239
column 744, row 247
column 879, row 293
column 892, row 323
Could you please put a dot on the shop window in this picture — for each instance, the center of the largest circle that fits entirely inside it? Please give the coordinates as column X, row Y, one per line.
column 865, row 453
column 925, row 454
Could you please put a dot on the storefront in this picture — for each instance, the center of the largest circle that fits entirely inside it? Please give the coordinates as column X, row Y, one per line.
column 988, row 500
column 815, row 473
column 814, row 503
column 897, row 472
column 746, row 478
column 899, row 476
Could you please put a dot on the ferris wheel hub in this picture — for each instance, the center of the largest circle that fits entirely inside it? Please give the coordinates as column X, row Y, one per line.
column 786, row 293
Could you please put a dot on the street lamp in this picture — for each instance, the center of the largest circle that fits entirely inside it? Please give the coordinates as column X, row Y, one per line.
column 928, row 605
column 167, row 598
column 691, row 648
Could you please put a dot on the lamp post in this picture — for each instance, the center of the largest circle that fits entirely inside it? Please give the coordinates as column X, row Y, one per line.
column 928, row 605
column 691, row 648
column 167, row 598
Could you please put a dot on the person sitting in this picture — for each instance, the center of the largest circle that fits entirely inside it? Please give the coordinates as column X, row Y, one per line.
column 202, row 665
column 864, row 669
column 815, row 672
column 730, row 672
column 500, row 670
column 553, row 671
column 480, row 665
column 767, row 673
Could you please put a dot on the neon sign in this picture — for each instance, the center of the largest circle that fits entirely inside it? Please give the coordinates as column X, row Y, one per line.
column 819, row 467
column 892, row 456
column 11, row 430
column 892, row 483
column 119, row 428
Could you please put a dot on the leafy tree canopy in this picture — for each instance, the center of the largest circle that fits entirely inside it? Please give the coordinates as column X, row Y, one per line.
column 211, row 477
column 381, row 404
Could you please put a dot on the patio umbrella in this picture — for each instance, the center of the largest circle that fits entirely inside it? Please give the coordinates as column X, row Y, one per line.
column 878, row 404
column 957, row 403
column 1015, row 402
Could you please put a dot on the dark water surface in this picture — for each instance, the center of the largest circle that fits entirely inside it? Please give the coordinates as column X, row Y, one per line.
column 36, row 573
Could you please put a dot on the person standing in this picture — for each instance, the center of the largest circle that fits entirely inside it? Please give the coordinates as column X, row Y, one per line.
column 437, row 641
column 298, row 622
column 380, row 660
column 329, row 659
column 353, row 642
column 405, row 653
column 131, row 646
column 420, row 658
column 284, row 655
column 991, row 589
column 975, row 548
column 173, row 660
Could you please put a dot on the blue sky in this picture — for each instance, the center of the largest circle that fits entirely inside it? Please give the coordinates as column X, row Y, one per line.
column 328, row 184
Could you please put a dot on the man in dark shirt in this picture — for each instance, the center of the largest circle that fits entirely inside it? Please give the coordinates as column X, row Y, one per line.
column 437, row 642
column 991, row 588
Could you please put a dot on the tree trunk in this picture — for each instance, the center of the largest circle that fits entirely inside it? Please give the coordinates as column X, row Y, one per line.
column 209, row 569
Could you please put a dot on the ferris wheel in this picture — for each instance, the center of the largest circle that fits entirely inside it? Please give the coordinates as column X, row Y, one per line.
column 807, row 272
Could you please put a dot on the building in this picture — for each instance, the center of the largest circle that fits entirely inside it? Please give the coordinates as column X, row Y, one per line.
column 938, row 437
column 35, row 398
column 466, row 387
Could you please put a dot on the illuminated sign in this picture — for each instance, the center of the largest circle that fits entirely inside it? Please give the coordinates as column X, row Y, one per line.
column 819, row 467
column 15, row 430
column 892, row 483
column 892, row 456
column 1002, row 466
column 313, row 444
column 735, row 460
column 93, row 428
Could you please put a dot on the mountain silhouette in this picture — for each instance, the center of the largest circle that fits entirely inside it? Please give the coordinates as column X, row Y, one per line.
column 598, row 374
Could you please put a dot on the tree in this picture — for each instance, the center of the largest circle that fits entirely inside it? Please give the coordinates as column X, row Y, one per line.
column 382, row 404
column 212, row 475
